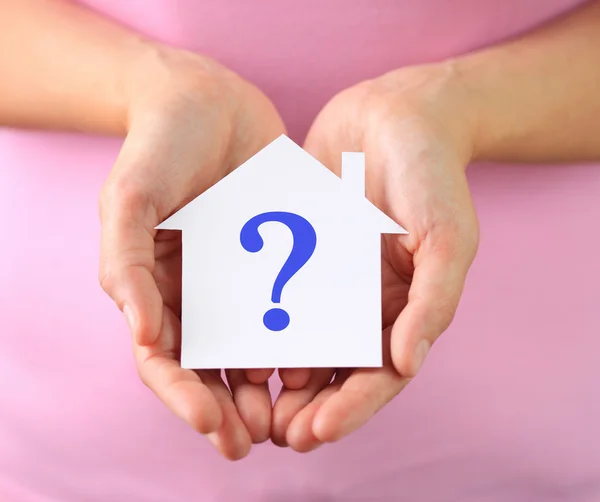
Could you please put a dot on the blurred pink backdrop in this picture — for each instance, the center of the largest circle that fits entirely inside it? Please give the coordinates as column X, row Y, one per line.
column 507, row 406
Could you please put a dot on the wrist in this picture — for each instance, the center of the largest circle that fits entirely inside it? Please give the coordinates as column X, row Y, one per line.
column 165, row 80
column 436, row 96
column 471, row 74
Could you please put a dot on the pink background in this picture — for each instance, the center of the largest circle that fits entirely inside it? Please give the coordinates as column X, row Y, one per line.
column 507, row 406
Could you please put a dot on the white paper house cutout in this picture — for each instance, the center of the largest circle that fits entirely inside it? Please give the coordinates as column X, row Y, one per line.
column 333, row 302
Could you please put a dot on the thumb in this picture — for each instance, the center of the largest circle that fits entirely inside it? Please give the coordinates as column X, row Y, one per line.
column 127, row 256
column 441, row 267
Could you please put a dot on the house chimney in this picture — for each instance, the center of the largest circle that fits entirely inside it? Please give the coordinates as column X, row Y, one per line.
column 353, row 172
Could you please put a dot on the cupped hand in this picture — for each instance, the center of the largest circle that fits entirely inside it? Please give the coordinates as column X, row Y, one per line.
column 417, row 131
column 191, row 122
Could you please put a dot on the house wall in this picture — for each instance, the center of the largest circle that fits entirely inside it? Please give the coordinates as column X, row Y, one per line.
column 333, row 301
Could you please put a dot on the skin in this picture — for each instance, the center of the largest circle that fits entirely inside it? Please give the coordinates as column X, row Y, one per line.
column 415, row 173
column 419, row 128
column 172, row 153
column 188, row 121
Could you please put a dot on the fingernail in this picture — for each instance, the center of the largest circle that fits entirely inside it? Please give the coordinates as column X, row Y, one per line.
column 421, row 352
column 130, row 318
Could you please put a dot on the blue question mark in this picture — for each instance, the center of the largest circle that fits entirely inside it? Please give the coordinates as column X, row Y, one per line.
column 305, row 241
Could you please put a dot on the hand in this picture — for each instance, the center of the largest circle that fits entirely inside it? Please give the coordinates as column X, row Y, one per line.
column 191, row 122
column 414, row 126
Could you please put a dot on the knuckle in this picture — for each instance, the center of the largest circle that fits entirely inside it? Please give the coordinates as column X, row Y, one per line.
column 464, row 233
column 455, row 238
column 439, row 315
column 105, row 277
column 108, row 283
column 376, row 102
column 445, row 312
column 124, row 195
column 109, row 277
column 105, row 280
column 142, row 375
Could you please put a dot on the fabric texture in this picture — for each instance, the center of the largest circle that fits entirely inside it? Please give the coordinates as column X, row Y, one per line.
column 507, row 406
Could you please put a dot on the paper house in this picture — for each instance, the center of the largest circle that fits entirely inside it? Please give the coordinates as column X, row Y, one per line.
column 282, row 265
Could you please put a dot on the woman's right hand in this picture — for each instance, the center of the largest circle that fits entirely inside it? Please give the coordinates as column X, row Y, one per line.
column 191, row 121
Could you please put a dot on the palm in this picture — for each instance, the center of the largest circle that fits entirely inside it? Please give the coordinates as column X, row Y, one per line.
column 245, row 408
column 416, row 177
column 170, row 156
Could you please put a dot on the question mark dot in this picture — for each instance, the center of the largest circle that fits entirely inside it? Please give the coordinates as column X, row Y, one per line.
column 276, row 319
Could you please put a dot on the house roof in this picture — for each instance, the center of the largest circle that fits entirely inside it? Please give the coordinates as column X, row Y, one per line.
column 277, row 164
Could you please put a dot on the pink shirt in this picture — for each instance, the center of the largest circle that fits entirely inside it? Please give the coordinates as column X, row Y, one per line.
column 507, row 407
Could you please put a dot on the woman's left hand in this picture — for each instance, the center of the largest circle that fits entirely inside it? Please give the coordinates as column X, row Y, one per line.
column 415, row 127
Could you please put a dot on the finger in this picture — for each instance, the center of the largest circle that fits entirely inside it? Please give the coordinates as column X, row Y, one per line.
column 292, row 401
column 127, row 258
column 294, row 378
column 362, row 395
column 199, row 398
column 181, row 390
column 348, row 403
column 440, row 273
column 253, row 403
column 299, row 434
column 258, row 376
column 232, row 438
